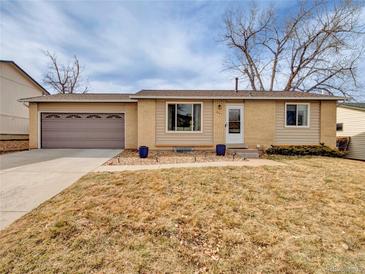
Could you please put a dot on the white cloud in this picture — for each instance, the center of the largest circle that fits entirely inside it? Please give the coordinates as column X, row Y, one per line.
column 29, row 31
column 144, row 44
column 109, row 86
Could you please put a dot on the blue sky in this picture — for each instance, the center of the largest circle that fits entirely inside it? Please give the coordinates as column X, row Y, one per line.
column 124, row 45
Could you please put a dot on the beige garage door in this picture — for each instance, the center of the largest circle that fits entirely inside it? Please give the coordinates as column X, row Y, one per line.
column 82, row 130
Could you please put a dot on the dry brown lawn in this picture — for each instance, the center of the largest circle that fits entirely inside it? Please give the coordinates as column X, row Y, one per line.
column 306, row 217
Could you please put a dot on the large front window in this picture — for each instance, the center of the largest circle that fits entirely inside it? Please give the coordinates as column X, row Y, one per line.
column 184, row 117
column 297, row 115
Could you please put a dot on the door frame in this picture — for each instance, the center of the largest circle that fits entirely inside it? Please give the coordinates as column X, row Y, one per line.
column 39, row 118
column 241, row 137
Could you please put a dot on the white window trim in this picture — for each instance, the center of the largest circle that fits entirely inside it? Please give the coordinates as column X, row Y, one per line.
column 308, row 115
column 192, row 117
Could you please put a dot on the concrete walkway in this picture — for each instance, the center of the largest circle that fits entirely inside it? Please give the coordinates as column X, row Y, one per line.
column 249, row 162
column 29, row 178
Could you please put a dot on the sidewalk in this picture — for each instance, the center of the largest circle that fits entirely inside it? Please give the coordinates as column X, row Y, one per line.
column 250, row 163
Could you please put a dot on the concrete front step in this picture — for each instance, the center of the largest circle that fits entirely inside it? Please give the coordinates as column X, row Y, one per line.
column 249, row 155
column 252, row 150
column 241, row 146
column 245, row 152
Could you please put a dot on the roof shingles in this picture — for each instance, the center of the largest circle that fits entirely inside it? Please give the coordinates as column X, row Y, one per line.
column 228, row 94
column 81, row 97
column 44, row 91
column 360, row 106
column 176, row 94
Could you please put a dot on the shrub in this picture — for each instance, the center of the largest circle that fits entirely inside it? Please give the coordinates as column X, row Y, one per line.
column 343, row 143
column 314, row 150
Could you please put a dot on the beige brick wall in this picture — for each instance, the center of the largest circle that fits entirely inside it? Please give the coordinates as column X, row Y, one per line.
column 259, row 125
column 33, row 125
column 130, row 110
column 328, row 123
column 259, row 122
column 219, row 119
column 147, row 123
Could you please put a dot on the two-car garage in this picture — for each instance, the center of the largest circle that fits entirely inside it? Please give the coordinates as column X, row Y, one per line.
column 88, row 120
column 82, row 130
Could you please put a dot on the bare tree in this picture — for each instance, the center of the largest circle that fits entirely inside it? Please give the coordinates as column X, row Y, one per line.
column 64, row 78
column 316, row 49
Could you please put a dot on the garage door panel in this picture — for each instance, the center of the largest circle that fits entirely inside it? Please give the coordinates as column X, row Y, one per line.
column 89, row 121
column 76, row 144
column 86, row 130
column 82, row 130
column 73, row 140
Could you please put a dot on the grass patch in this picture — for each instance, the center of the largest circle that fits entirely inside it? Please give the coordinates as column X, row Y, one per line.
column 306, row 217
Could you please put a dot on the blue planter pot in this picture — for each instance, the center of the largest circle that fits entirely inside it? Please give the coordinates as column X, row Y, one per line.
column 143, row 152
column 220, row 150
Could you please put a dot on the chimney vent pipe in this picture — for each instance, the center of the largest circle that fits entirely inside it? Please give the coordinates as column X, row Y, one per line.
column 236, row 87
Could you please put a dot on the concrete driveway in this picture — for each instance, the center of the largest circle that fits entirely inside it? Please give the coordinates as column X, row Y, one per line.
column 29, row 178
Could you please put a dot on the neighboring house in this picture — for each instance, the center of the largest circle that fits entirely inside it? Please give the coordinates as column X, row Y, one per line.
column 351, row 123
column 166, row 119
column 15, row 83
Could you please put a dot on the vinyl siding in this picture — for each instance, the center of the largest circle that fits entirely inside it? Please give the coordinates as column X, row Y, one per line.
column 353, row 126
column 14, row 116
column 181, row 139
column 297, row 136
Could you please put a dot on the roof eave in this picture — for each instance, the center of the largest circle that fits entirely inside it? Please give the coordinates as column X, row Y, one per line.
column 45, row 92
column 351, row 107
column 76, row 101
column 237, row 98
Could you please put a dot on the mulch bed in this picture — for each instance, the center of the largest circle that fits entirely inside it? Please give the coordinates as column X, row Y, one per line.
column 131, row 157
column 13, row 145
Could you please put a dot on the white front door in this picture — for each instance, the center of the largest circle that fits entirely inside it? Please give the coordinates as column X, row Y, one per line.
column 234, row 124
